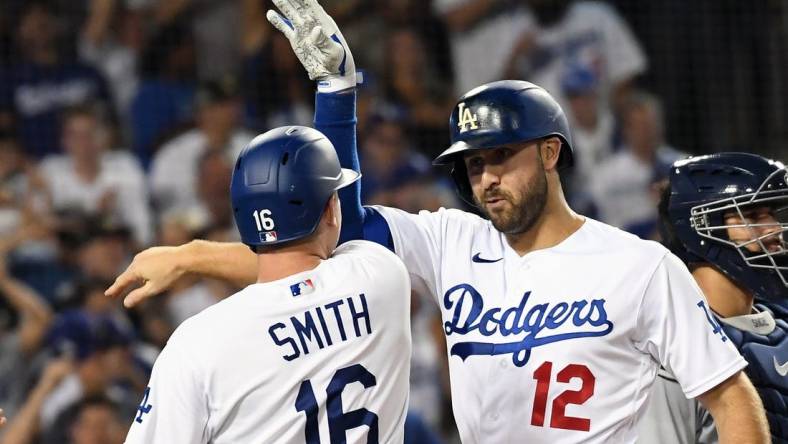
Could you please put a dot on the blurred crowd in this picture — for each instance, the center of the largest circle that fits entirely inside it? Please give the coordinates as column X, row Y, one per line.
column 120, row 121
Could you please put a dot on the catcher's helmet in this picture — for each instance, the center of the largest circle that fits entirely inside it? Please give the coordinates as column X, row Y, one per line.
column 703, row 190
column 499, row 113
column 281, row 183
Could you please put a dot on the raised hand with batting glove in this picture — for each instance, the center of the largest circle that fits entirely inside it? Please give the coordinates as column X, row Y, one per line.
column 317, row 43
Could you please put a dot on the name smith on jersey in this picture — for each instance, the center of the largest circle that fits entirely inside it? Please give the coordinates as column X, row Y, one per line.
column 322, row 326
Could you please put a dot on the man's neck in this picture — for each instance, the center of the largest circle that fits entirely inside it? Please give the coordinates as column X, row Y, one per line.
column 44, row 56
column 279, row 264
column 218, row 137
column 92, row 378
column 725, row 297
column 556, row 223
column 646, row 154
column 87, row 169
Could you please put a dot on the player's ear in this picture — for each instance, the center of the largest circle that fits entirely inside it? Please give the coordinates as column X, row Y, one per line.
column 331, row 213
column 550, row 150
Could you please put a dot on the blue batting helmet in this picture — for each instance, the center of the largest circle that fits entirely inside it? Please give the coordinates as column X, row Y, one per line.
column 704, row 191
column 500, row 113
column 281, row 183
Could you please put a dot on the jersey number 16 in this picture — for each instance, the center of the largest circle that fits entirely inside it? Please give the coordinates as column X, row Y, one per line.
column 263, row 220
column 338, row 421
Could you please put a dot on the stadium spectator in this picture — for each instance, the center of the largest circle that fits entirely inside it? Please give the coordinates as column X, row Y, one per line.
column 25, row 426
column 98, row 421
column 623, row 187
column 483, row 34
column 104, row 366
column 387, row 156
column 216, row 34
column 371, row 23
column 593, row 128
column 164, row 100
column 41, row 83
column 566, row 33
column 20, row 343
column 112, row 40
column 175, row 168
column 23, row 196
column 412, row 83
column 215, row 173
column 92, row 179
column 276, row 94
column 103, row 249
column 419, row 15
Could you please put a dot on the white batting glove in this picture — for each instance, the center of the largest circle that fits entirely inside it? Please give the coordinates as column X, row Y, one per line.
column 317, row 43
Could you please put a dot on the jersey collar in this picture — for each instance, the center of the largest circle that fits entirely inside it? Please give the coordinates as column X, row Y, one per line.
column 759, row 322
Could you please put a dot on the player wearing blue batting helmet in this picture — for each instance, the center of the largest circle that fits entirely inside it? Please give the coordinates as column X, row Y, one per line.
column 281, row 184
column 502, row 113
column 731, row 210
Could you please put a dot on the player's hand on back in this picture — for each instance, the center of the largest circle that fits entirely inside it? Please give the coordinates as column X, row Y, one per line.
column 150, row 273
column 317, row 42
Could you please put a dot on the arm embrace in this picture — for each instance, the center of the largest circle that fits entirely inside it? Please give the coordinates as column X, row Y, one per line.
column 321, row 48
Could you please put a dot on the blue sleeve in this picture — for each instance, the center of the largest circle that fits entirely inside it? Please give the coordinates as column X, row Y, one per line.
column 335, row 116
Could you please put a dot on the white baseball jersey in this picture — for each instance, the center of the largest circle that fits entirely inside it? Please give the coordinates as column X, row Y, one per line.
column 561, row 344
column 318, row 357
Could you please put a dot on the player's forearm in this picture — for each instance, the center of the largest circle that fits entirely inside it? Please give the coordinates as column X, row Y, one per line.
column 335, row 116
column 231, row 262
column 737, row 411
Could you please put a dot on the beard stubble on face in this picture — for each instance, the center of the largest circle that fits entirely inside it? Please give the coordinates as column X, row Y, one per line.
column 522, row 214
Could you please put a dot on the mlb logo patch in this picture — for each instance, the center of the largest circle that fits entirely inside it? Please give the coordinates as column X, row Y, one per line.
column 303, row 287
column 268, row 236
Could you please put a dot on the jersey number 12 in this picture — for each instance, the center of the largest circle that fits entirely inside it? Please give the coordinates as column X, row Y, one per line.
column 338, row 421
column 559, row 419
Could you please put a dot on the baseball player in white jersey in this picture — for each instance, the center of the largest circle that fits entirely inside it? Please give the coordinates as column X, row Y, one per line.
column 318, row 350
column 556, row 324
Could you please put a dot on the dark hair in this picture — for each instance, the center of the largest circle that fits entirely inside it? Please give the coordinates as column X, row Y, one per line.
column 90, row 110
column 96, row 401
column 89, row 285
column 28, row 6
column 158, row 49
column 9, row 136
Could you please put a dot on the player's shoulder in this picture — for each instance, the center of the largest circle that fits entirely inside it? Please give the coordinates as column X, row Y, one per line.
column 613, row 239
column 443, row 217
column 201, row 328
column 376, row 256
column 361, row 247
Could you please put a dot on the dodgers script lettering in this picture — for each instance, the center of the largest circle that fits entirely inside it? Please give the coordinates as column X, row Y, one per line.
column 589, row 319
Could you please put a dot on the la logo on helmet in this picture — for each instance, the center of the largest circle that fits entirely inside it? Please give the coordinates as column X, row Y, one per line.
column 466, row 118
